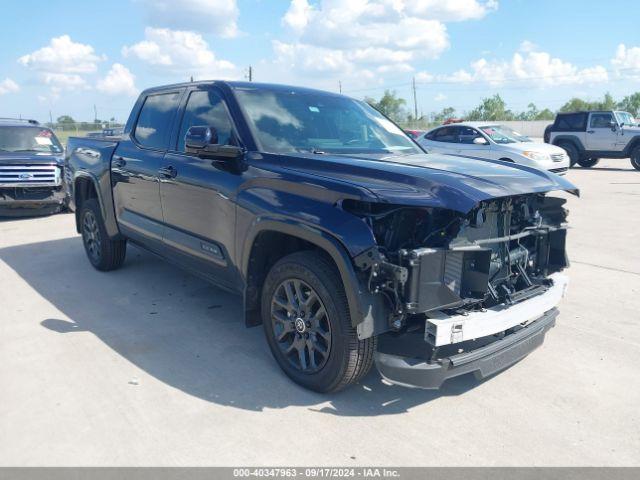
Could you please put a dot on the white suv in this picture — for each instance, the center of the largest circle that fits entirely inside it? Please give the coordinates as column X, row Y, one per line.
column 492, row 141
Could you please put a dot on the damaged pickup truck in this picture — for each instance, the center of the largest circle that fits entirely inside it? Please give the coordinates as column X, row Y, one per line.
column 31, row 169
column 348, row 243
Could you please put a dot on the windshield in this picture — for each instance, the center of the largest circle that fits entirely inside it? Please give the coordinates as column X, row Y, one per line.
column 28, row 139
column 503, row 134
column 626, row 118
column 288, row 122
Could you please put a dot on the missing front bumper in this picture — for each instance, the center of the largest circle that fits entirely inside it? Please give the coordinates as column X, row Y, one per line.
column 482, row 362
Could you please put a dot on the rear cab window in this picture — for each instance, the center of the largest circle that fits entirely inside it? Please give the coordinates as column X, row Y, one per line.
column 153, row 127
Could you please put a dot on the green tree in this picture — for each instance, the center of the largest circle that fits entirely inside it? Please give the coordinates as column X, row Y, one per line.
column 631, row 104
column 390, row 105
column 66, row 122
column 444, row 114
column 492, row 108
column 545, row 114
column 576, row 105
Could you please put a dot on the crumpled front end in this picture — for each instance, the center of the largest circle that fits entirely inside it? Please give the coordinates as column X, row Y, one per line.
column 477, row 289
column 31, row 189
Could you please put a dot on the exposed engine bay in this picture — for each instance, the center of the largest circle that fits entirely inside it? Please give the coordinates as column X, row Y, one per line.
column 429, row 259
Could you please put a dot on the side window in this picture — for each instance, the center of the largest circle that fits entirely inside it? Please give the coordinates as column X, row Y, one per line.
column 446, row 134
column 467, row 135
column 206, row 108
column 572, row 122
column 155, row 119
column 600, row 120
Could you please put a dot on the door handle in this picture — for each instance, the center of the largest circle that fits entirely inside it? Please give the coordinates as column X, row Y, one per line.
column 119, row 162
column 591, row 131
column 168, row 172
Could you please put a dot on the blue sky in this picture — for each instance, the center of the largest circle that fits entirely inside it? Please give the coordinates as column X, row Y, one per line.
column 66, row 56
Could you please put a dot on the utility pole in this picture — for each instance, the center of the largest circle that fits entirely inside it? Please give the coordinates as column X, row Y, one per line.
column 415, row 100
column 250, row 73
column 50, row 119
column 95, row 113
column 340, row 85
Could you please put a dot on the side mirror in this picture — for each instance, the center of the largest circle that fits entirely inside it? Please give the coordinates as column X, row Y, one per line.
column 613, row 125
column 203, row 142
column 199, row 137
column 480, row 141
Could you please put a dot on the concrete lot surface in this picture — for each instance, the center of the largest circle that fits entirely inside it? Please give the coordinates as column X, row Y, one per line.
column 150, row 366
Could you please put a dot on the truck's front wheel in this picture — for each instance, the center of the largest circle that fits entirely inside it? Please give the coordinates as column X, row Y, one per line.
column 103, row 252
column 307, row 324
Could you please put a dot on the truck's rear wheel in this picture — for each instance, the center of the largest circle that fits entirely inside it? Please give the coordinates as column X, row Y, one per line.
column 635, row 158
column 307, row 324
column 588, row 162
column 104, row 253
column 572, row 151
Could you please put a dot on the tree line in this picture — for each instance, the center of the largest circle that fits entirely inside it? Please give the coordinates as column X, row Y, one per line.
column 495, row 108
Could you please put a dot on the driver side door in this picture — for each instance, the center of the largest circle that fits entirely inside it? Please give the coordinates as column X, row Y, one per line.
column 197, row 194
column 600, row 136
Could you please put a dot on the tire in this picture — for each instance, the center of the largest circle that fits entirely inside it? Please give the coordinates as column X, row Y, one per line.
column 588, row 162
column 572, row 151
column 313, row 341
column 635, row 158
column 104, row 253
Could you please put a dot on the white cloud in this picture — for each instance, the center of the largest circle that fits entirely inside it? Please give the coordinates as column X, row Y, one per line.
column 181, row 53
column 8, row 86
column 451, row 10
column 297, row 16
column 627, row 61
column 527, row 66
column 219, row 17
column 119, row 81
column 360, row 40
column 63, row 64
column 63, row 81
column 441, row 97
column 62, row 55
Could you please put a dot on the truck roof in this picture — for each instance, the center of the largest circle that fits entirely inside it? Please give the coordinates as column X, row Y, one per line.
column 18, row 122
column 240, row 85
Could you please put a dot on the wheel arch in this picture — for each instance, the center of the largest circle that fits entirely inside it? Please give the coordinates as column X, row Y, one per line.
column 632, row 145
column 569, row 139
column 86, row 186
column 270, row 240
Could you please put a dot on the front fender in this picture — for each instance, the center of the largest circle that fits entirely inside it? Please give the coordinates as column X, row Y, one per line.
column 340, row 234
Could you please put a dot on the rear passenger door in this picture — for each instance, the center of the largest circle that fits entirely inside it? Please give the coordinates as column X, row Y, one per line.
column 600, row 135
column 198, row 194
column 136, row 163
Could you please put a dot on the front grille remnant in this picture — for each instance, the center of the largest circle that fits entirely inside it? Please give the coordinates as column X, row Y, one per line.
column 30, row 175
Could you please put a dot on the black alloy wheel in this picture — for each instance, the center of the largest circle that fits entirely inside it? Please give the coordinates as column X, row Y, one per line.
column 301, row 326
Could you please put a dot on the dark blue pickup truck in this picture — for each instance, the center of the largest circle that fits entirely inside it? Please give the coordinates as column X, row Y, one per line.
column 31, row 169
column 348, row 243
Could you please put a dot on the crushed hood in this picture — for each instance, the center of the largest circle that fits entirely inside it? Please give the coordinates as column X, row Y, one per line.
column 432, row 180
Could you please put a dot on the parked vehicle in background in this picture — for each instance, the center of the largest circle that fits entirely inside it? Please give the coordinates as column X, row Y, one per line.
column 32, row 174
column 414, row 133
column 589, row 136
column 492, row 141
column 346, row 241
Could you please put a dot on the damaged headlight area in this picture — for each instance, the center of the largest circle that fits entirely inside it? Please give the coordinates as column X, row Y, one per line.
column 436, row 260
